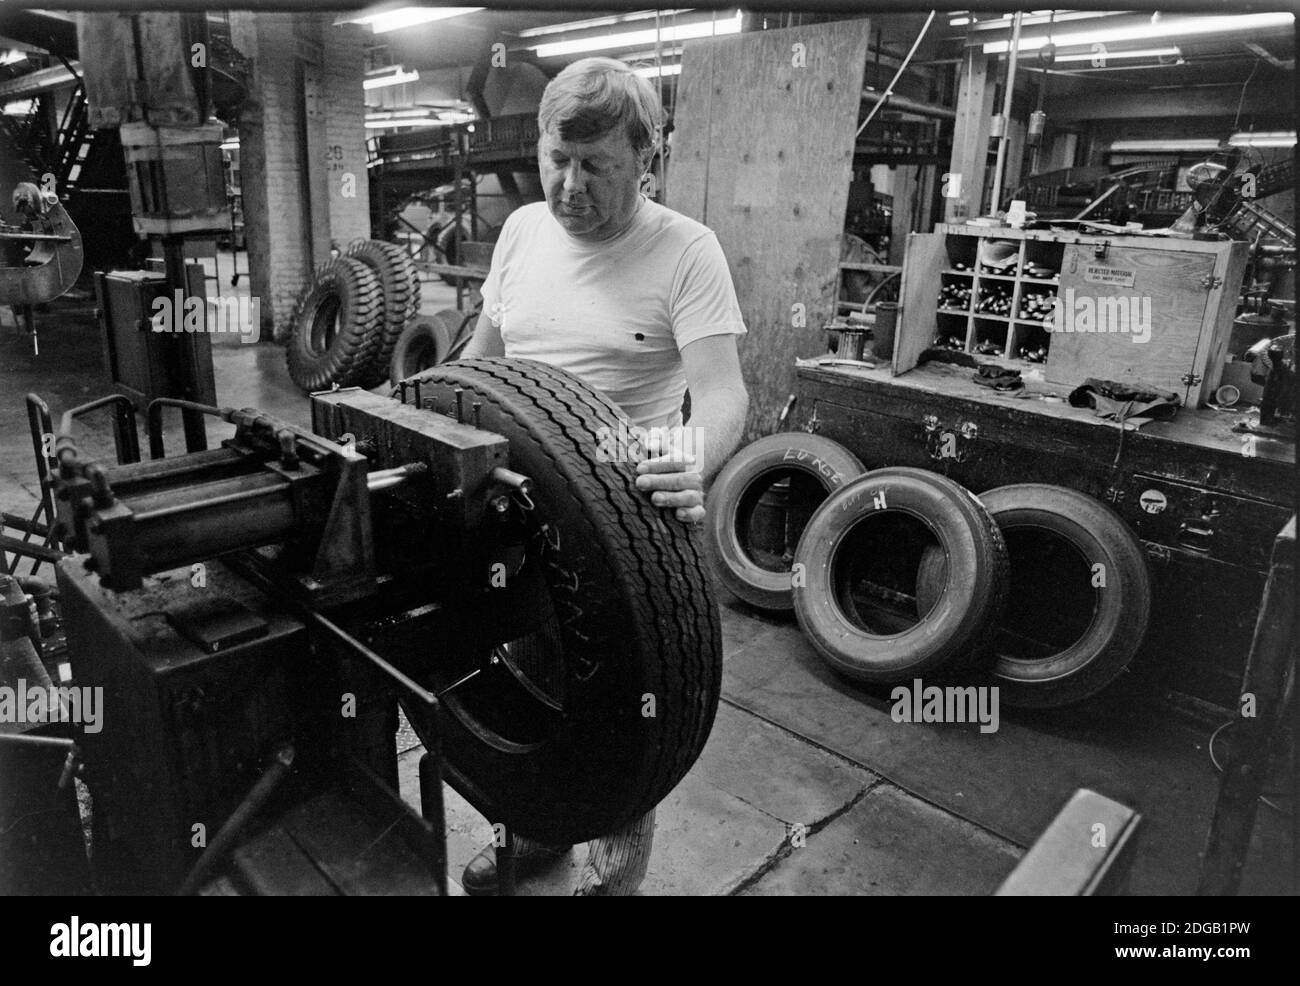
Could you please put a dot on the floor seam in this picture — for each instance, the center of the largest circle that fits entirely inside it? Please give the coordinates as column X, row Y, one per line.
column 877, row 772
column 787, row 848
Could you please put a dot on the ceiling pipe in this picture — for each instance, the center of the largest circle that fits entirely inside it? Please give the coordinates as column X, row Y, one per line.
column 905, row 105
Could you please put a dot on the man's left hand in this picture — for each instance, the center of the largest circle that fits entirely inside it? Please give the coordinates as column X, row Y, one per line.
column 674, row 481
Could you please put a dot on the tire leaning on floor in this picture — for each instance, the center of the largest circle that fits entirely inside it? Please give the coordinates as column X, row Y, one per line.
column 956, row 627
column 336, row 327
column 401, row 286
column 813, row 467
column 1066, row 548
column 631, row 611
column 424, row 343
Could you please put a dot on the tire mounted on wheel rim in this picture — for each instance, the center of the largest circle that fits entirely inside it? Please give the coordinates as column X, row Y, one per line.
column 625, row 707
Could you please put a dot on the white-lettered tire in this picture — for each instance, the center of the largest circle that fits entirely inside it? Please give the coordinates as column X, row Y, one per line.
column 1081, row 594
column 859, row 557
column 780, row 479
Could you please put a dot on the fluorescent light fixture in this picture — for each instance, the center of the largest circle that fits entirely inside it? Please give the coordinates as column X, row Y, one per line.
column 655, row 71
column 1173, row 144
column 415, row 117
column 394, row 124
column 411, row 112
column 629, row 39
column 1264, row 138
column 996, row 23
column 1164, row 28
column 12, row 56
column 1087, row 56
column 391, row 79
column 395, row 20
column 649, row 56
column 959, row 22
column 640, row 15
column 21, row 108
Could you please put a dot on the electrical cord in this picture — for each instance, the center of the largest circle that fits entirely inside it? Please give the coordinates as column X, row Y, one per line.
column 1242, row 101
column 1218, row 767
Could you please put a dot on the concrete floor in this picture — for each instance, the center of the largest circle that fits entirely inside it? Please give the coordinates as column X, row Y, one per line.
column 886, row 808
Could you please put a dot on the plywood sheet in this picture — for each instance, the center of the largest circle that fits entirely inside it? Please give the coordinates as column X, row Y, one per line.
column 762, row 154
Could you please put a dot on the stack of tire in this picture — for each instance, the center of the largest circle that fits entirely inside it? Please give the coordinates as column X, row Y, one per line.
column 349, row 319
column 900, row 573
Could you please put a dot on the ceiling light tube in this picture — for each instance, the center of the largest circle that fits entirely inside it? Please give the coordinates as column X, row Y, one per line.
column 1168, row 27
column 654, row 71
column 1264, row 138
column 391, row 79
column 1173, row 144
column 630, row 39
column 395, row 20
column 640, row 15
column 1087, row 56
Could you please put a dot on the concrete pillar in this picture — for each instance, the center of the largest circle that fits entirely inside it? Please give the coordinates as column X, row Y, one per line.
column 302, row 152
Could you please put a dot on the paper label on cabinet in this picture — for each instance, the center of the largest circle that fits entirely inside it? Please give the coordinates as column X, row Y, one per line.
column 1097, row 274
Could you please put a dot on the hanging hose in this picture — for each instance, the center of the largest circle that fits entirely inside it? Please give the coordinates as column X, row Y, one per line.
column 884, row 97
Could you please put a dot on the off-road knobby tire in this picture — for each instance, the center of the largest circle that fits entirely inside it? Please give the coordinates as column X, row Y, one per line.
column 733, row 497
column 956, row 630
column 636, row 616
column 354, row 289
column 1121, row 606
column 401, row 285
column 424, row 344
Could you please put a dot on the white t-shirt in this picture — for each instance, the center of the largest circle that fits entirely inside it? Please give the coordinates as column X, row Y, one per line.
column 616, row 313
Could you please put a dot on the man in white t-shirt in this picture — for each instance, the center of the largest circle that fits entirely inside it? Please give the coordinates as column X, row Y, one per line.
column 637, row 301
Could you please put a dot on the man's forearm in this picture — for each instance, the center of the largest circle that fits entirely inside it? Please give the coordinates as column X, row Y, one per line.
column 719, row 420
column 486, row 340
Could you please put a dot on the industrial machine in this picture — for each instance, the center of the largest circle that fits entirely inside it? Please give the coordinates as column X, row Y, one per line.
column 40, row 254
column 253, row 615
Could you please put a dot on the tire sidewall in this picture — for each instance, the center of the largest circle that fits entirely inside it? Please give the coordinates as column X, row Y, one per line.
column 826, row 461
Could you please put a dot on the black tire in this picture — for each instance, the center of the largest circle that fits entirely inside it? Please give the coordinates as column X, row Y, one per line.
column 634, row 617
column 401, row 285
column 1053, row 650
column 336, row 327
column 424, row 344
column 811, row 468
column 872, row 533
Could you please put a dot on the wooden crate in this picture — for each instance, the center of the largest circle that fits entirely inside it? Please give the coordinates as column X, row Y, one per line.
column 1137, row 309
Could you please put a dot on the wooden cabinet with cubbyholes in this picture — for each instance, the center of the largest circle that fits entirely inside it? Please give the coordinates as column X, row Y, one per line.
column 1147, row 310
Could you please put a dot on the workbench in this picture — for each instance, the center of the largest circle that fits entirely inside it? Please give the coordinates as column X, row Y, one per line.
column 1205, row 501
